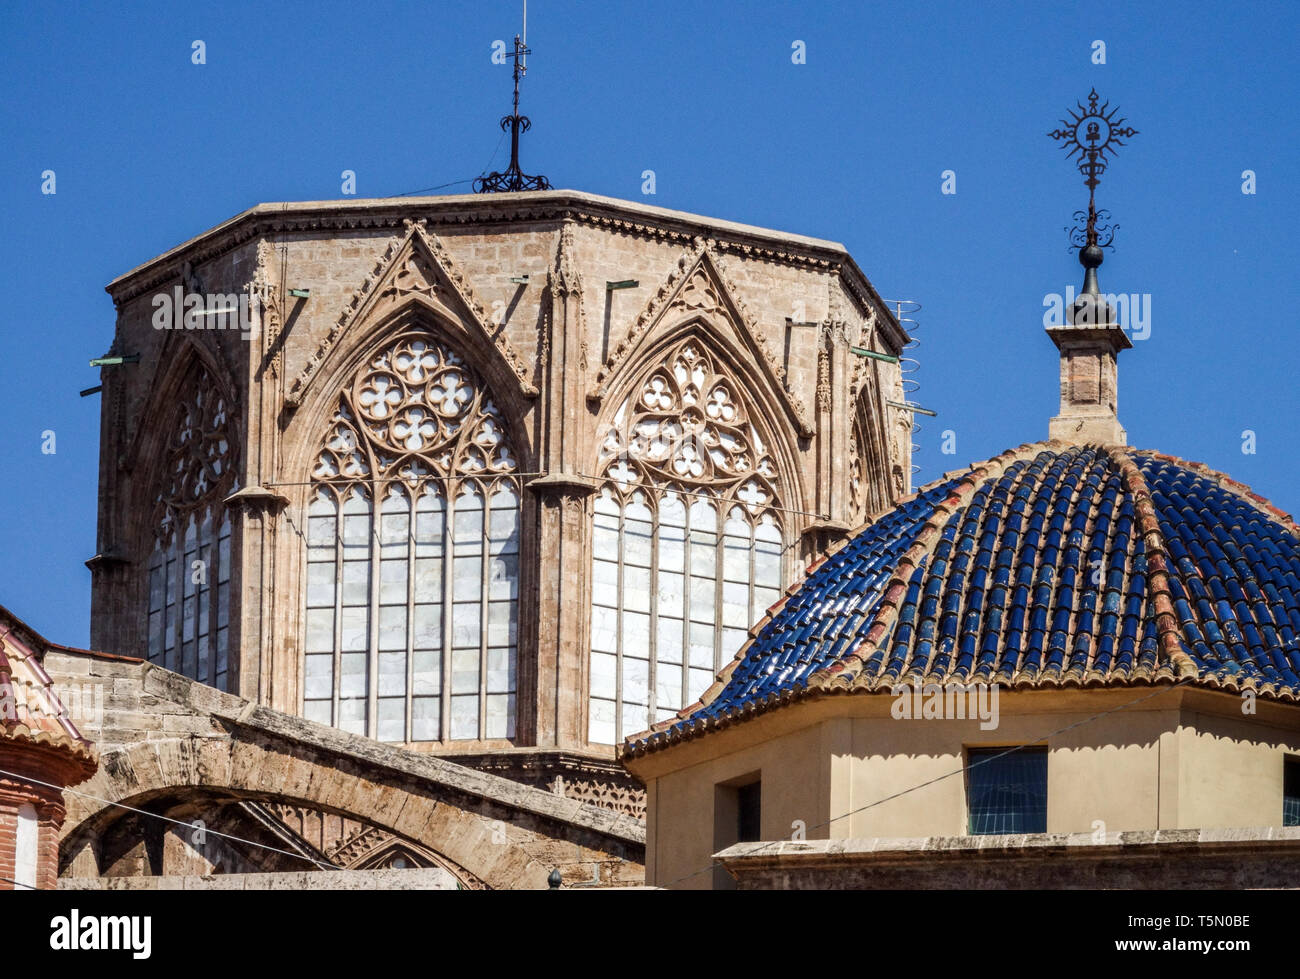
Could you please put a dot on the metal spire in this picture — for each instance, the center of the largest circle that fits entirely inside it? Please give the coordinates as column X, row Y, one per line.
column 1091, row 134
column 512, row 178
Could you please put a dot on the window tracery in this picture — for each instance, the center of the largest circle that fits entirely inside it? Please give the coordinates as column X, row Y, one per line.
column 188, row 609
column 687, row 542
column 413, row 554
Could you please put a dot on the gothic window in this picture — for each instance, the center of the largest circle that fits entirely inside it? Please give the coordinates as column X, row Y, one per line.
column 413, row 555
column 686, row 544
column 189, row 568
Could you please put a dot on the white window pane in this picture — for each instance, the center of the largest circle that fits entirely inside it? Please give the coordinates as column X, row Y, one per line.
column 356, row 582
column 668, row 687
column 604, row 629
column 356, row 530
column 500, row 720
column 670, row 593
column 426, row 719
column 354, row 682
column 467, row 525
column 428, row 579
column 703, row 599
column 464, row 671
column 464, row 717
column 352, row 716
column 636, row 589
column 672, row 511
column 318, row 677
column 466, row 626
column 503, row 530
column 392, row 674
column 501, row 669
column 764, row 599
column 394, row 523
column 636, row 718
column 392, row 627
column 604, row 583
column 672, row 548
column 428, row 627
column 318, row 711
column 600, row 722
column 669, row 640
column 501, row 624
column 467, row 580
column 732, row 640
column 702, row 645
column 636, row 635
column 392, row 582
column 392, row 719
column 426, row 673
column 355, row 628
column 604, row 541
column 699, row 681
column 636, row 681
column 735, row 604
column 320, row 584
column 503, row 576
column 636, row 543
column 604, row 675
column 704, row 557
column 320, row 630
column 735, row 558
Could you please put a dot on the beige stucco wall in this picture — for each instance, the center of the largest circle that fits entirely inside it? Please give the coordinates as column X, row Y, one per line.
column 1179, row 760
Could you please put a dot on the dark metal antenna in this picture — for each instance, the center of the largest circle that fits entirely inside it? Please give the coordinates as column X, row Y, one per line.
column 514, row 179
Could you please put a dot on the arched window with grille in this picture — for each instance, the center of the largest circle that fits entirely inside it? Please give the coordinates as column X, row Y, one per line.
column 188, row 602
column 412, row 573
column 687, row 542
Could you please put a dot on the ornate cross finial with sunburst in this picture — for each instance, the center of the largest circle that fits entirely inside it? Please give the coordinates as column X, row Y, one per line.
column 1090, row 137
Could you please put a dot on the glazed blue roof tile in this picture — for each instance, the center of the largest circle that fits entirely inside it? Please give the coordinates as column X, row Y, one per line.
column 1033, row 569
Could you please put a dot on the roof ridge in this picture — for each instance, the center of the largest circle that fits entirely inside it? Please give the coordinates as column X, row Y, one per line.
column 1169, row 632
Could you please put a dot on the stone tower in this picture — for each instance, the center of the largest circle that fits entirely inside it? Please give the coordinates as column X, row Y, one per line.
column 507, row 477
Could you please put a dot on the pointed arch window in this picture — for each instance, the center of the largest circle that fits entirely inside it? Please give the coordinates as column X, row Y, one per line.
column 687, row 543
column 188, row 606
column 413, row 555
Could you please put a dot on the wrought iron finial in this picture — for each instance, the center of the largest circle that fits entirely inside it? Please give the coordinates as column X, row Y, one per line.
column 512, row 178
column 1090, row 137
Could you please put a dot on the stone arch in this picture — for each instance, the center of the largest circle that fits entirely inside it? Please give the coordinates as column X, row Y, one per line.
column 146, row 455
column 308, row 423
column 494, row 842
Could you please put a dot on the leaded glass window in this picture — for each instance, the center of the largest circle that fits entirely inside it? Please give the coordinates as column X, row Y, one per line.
column 188, row 604
column 1007, row 790
column 1291, row 792
column 686, row 544
column 413, row 555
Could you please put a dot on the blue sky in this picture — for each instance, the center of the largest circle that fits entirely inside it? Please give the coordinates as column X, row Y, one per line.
column 150, row 149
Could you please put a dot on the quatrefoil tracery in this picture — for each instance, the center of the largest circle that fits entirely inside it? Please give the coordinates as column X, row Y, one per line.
column 684, row 424
column 415, row 410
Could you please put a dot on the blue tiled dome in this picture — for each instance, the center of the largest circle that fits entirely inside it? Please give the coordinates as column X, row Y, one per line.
column 1049, row 565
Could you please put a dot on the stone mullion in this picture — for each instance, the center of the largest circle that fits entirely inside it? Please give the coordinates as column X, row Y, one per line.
column 652, row 700
column 483, row 605
column 448, row 585
column 372, row 618
column 409, row 709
